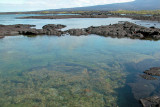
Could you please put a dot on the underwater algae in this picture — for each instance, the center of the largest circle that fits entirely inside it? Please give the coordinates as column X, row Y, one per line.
column 46, row 86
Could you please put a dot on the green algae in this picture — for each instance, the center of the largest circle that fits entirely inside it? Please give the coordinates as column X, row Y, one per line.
column 58, row 88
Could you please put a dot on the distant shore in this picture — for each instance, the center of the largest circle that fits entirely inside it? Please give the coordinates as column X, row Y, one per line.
column 136, row 17
column 151, row 15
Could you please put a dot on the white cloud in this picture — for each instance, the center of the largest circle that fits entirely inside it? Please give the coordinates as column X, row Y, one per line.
column 25, row 5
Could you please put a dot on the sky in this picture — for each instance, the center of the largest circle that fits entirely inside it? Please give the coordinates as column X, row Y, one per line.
column 31, row 5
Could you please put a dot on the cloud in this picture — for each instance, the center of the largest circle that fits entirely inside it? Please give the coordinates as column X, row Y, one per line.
column 25, row 5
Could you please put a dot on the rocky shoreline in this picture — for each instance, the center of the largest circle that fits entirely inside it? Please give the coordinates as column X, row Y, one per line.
column 153, row 101
column 136, row 17
column 120, row 30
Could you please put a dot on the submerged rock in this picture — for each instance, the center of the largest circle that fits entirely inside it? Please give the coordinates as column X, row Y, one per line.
column 155, row 71
column 153, row 101
column 148, row 77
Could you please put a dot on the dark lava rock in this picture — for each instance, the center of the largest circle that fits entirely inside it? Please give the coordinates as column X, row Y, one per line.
column 14, row 29
column 32, row 32
column 125, row 29
column 52, row 29
column 1, row 37
column 155, row 71
column 53, row 26
column 77, row 32
column 120, row 30
column 148, row 77
column 153, row 101
column 18, row 29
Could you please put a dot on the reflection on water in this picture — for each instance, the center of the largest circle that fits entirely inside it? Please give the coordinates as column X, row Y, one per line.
column 67, row 71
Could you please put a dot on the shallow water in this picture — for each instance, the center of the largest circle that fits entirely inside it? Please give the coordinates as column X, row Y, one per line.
column 85, row 71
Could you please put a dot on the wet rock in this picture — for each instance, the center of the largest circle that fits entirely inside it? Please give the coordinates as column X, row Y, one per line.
column 148, row 77
column 120, row 30
column 52, row 29
column 153, row 101
column 53, row 26
column 18, row 29
column 77, row 32
column 1, row 37
column 138, row 35
column 155, row 71
column 14, row 29
column 32, row 32
column 125, row 29
column 152, row 27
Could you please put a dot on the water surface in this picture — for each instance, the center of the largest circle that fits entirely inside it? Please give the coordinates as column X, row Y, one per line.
column 67, row 71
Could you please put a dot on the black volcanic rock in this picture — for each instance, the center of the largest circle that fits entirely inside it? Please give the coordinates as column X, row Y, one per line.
column 148, row 77
column 52, row 29
column 13, row 29
column 155, row 71
column 153, row 101
column 27, row 30
column 125, row 29
column 120, row 30
column 77, row 32
column 53, row 26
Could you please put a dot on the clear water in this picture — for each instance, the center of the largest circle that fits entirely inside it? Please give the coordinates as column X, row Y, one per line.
column 69, row 71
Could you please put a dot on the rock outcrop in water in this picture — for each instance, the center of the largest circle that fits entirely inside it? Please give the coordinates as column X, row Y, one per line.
column 155, row 71
column 148, row 74
column 148, row 77
column 50, row 29
column 120, row 30
column 77, row 32
column 14, row 29
column 153, row 101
